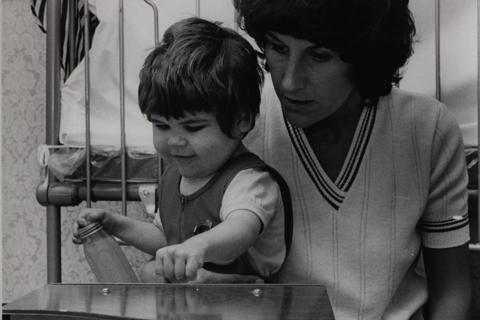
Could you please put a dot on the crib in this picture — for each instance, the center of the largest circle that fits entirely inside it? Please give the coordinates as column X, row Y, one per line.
column 126, row 175
column 80, row 164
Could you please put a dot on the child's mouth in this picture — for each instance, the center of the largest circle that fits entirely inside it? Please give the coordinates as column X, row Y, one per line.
column 178, row 156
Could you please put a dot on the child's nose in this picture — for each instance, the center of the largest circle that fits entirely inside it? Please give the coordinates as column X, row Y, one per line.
column 177, row 141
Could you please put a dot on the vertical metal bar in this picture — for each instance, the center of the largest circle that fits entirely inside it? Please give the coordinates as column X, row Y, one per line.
column 52, row 110
column 87, row 104
column 197, row 8
column 156, row 36
column 123, row 152
column 478, row 118
column 156, row 39
column 72, row 32
column 438, row 70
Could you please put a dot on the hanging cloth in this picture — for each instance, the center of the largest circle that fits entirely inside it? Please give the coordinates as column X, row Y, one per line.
column 71, row 31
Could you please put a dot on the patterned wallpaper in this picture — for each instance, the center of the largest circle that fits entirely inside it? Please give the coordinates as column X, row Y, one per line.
column 23, row 130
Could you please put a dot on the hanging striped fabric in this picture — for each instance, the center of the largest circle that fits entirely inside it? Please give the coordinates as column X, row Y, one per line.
column 72, row 50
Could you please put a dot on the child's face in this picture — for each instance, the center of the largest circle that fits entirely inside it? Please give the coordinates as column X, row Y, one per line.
column 195, row 144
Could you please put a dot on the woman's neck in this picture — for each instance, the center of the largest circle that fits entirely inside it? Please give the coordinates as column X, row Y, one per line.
column 331, row 138
column 342, row 121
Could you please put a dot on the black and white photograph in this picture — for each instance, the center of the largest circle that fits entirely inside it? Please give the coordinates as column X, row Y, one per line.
column 240, row 159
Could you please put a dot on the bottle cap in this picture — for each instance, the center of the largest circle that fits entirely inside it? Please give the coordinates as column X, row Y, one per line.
column 88, row 230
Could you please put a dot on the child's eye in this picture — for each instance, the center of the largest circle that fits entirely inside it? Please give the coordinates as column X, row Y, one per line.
column 161, row 126
column 194, row 128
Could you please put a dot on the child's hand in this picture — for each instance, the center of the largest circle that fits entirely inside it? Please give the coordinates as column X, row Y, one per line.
column 147, row 273
column 86, row 217
column 178, row 263
column 206, row 276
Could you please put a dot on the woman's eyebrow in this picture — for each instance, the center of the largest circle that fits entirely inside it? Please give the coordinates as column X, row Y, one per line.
column 270, row 36
column 320, row 48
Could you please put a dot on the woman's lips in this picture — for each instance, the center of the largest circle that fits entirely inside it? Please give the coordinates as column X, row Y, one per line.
column 297, row 101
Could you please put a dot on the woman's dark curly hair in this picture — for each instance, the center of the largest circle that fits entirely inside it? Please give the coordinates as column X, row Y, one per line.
column 374, row 36
column 201, row 66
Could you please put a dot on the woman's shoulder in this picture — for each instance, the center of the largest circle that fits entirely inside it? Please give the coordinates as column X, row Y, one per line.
column 419, row 114
column 417, row 107
column 422, row 102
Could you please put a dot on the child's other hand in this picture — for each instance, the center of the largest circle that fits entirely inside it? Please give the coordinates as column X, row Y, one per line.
column 86, row 217
column 179, row 263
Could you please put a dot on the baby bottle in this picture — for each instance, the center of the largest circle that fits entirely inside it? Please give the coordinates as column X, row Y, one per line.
column 104, row 255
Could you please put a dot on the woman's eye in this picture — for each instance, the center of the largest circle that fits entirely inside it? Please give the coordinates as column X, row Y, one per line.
column 194, row 128
column 277, row 47
column 320, row 56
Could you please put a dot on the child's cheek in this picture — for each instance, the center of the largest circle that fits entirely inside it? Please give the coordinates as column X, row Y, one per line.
column 160, row 145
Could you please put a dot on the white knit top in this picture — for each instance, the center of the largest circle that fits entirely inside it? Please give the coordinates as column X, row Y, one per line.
column 402, row 185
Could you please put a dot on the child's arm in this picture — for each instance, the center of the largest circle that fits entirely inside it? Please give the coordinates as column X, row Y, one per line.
column 221, row 244
column 144, row 236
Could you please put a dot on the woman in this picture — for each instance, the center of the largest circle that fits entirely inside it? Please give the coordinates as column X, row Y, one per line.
column 377, row 175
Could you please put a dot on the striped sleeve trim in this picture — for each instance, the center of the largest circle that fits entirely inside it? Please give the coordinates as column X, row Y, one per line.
column 454, row 223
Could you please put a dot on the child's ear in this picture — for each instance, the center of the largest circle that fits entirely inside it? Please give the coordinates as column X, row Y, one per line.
column 244, row 124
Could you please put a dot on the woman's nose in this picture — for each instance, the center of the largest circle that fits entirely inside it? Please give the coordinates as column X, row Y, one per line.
column 176, row 141
column 293, row 77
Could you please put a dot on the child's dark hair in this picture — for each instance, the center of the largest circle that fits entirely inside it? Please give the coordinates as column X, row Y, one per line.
column 374, row 36
column 200, row 66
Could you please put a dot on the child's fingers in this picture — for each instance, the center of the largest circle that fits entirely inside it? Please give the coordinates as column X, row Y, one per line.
column 191, row 268
column 75, row 229
column 75, row 237
column 205, row 276
column 82, row 222
column 90, row 215
column 168, row 268
column 86, row 217
column 164, row 264
column 76, row 240
column 179, row 268
column 159, row 266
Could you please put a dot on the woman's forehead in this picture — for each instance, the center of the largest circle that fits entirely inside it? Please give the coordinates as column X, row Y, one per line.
column 293, row 41
column 287, row 38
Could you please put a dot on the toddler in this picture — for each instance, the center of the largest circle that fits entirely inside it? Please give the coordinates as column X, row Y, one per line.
column 220, row 207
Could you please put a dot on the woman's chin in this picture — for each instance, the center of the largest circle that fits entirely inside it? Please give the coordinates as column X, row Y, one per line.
column 300, row 121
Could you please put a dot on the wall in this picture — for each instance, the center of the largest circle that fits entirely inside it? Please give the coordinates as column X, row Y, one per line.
column 458, row 59
column 23, row 93
column 23, row 122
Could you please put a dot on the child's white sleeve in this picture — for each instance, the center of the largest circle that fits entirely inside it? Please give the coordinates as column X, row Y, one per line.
column 257, row 192
column 157, row 222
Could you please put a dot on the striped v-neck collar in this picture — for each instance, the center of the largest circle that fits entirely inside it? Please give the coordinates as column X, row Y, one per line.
column 334, row 191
